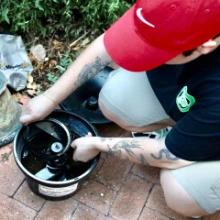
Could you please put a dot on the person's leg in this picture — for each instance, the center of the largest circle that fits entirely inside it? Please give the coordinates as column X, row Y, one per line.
column 128, row 100
column 150, row 127
column 193, row 190
column 177, row 198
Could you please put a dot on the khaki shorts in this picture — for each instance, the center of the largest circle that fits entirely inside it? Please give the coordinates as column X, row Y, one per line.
column 130, row 96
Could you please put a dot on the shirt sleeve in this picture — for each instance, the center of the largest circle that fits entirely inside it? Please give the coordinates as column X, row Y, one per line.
column 196, row 137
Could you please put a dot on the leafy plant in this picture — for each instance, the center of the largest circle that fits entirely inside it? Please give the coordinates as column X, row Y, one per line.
column 71, row 17
column 65, row 61
column 52, row 78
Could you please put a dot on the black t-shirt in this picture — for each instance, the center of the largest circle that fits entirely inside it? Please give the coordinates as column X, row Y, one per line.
column 190, row 94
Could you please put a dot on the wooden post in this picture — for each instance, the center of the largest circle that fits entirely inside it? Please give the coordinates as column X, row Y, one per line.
column 9, row 115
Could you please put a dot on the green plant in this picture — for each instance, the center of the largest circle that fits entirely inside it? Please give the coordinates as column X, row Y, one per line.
column 71, row 17
column 65, row 61
column 52, row 78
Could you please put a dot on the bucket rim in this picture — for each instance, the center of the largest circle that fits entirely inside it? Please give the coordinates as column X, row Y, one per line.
column 93, row 161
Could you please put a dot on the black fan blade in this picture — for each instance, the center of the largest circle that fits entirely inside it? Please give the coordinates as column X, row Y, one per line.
column 48, row 174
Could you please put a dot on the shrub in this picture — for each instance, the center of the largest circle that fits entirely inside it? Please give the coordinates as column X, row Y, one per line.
column 71, row 17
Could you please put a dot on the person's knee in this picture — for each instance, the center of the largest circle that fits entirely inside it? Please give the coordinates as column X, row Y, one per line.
column 176, row 206
column 115, row 118
column 129, row 127
column 177, row 198
column 106, row 112
column 112, row 117
column 170, row 195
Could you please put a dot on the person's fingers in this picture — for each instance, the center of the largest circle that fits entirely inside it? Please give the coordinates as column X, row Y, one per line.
column 73, row 145
column 74, row 151
column 89, row 134
column 74, row 155
column 24, row 119
column 28, row 118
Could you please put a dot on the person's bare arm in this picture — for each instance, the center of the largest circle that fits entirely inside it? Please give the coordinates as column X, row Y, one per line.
column 88, row 64
column 138, row 150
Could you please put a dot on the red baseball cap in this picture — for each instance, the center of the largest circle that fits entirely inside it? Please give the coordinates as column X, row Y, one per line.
column 152, row 32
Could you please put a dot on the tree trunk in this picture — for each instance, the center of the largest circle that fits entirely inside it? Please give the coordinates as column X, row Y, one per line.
column 9, row 118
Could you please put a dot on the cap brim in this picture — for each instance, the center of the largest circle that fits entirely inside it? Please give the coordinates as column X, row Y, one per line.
column 129, row 50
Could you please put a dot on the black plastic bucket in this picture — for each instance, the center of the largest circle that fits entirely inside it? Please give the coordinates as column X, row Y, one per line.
column 58, row 189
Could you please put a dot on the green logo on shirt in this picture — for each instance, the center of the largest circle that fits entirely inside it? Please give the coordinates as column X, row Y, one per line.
column 184, row 100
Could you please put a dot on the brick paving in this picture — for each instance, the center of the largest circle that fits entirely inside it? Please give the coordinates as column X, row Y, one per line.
column 116, row 190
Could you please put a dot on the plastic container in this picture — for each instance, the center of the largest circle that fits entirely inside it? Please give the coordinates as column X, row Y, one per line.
column 54, row 178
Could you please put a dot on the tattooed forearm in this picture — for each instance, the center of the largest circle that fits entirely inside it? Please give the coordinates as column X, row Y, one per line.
column 128, row 146
column 90, row 70
column 143, row 160
column 167, row 155
column 115, row 153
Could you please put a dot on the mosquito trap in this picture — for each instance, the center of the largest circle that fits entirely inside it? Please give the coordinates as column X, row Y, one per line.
column 43, row 153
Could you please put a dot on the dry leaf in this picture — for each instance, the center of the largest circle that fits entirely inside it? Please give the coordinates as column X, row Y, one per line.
column 32, row 58
column 58, row 45
column 77, row 48
column 85, row 42
column 29, row 86
column 52, row 63
column 25, row 64
column 34, row 85
column 16, row 96
column 31, row 92
column 30, row 78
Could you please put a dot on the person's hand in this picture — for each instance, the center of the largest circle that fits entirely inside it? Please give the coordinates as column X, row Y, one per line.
column 37, row 109
column 85, row 148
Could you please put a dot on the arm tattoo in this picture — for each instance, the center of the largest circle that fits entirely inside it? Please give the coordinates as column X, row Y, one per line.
column 90, row 70
column 115, row 153
column 143, row 160
column 167, row 154
column 127, row 146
